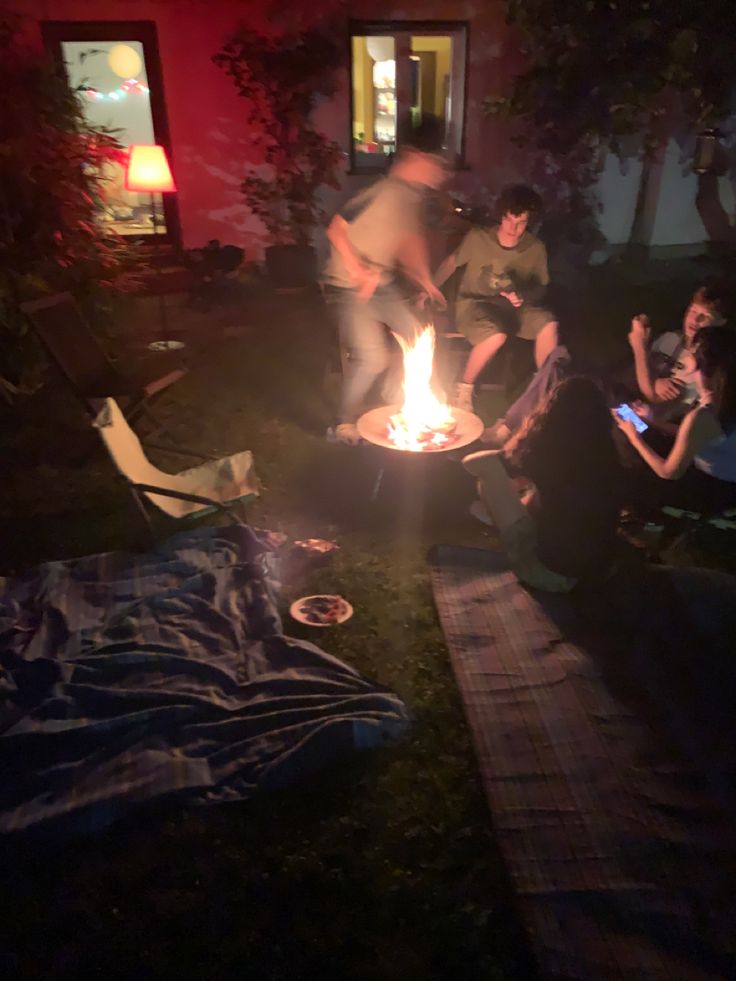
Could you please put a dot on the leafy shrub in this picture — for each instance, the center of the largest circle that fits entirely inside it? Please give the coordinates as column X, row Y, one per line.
column 49, row 236
column 281, row 77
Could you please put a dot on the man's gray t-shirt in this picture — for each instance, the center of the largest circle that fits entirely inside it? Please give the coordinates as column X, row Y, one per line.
column 379, row 219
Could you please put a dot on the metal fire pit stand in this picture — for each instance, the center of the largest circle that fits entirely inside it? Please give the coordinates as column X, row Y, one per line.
column 373, row 427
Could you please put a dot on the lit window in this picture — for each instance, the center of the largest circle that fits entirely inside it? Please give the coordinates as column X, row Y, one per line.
column 400, row 72
column 114, row 69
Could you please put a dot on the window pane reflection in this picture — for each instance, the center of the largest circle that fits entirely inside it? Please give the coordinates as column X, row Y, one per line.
column 111, row 80
column 374, row 100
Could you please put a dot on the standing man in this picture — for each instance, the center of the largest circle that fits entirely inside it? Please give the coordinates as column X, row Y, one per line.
column 502, row 287
column 376, row 236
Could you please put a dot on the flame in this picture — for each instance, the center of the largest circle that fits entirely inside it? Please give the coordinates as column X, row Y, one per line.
column 423, row 419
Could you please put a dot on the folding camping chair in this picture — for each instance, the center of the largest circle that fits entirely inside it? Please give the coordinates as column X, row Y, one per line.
column 75, row 351
column 214, row 485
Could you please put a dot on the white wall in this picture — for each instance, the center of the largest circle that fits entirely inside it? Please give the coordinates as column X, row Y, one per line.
column 675, row 220
column 616, row 190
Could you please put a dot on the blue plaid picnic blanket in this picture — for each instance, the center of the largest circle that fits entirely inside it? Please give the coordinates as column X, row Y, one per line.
column 125, row 678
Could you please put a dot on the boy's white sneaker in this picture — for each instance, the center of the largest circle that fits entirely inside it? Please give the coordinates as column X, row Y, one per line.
column 462, row 397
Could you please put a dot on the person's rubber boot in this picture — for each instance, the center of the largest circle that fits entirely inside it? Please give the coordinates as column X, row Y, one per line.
column 519, row 541
column 480, row 512
column 462, row 397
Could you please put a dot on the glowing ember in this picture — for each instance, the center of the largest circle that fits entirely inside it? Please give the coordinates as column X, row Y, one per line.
column 423, row 421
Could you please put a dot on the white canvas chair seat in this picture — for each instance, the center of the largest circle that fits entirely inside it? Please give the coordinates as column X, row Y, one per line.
column 229, row 479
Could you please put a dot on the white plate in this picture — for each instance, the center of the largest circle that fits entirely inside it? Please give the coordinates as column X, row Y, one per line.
column 166, row 346
column 345, row 613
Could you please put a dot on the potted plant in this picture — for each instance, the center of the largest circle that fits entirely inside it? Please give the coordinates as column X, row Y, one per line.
column 281, row 77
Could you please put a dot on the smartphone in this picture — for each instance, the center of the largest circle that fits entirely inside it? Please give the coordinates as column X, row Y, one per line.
column 626, row 412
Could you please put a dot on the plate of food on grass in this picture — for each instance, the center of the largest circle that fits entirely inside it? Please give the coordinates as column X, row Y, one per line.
column 321, row 610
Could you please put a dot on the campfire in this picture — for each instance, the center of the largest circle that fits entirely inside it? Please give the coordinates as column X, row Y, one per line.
column 424, row 423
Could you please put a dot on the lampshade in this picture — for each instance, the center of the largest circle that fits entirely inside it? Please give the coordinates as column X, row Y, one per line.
column 380, row 47
column 124, row 60
column 148, row 170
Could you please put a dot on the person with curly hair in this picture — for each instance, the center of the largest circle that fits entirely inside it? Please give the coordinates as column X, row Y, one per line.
column 565, row 530
column 501, row 293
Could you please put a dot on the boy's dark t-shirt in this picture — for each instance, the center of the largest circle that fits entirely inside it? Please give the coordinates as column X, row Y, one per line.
column 489, row 267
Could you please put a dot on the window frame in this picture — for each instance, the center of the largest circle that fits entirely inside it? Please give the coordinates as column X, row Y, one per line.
column 54, row 32
column 459, row 28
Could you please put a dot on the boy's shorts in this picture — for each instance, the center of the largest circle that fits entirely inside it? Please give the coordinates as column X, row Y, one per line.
column 479, row 319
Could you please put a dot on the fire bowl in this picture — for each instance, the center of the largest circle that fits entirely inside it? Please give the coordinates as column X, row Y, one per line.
column 373, row 426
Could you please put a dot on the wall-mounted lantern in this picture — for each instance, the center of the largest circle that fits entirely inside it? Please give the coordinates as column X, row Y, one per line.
column 706, row 147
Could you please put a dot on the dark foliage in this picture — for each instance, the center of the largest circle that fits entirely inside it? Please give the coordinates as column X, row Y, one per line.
column 611, row 75
column 600, row 70
column 282, row 77
column 50, row 162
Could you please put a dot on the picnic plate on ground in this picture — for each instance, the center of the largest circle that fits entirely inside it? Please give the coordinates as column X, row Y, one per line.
column 321, row 610
column 166, row 346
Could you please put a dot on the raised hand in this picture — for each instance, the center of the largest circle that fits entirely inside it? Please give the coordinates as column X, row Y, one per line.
column 639, row 333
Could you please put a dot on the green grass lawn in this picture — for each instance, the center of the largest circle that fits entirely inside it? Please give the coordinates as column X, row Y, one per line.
column 383, row 867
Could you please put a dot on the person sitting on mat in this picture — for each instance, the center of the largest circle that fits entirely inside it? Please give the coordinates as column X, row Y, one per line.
column 503, row 284
column 566, row 530
column 699, row 471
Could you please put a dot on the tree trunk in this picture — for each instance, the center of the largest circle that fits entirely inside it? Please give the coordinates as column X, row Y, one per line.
column 647, row 198
column 645, row 210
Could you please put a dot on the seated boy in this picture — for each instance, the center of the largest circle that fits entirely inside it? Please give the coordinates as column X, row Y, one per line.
column 666, row 367
column 502, row 287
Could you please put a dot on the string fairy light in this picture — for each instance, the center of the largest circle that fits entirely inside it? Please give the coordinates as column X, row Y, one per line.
column 130, row 85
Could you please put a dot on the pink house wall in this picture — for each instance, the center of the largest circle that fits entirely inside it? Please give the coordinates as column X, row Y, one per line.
column 212, row 149
column 211, row 146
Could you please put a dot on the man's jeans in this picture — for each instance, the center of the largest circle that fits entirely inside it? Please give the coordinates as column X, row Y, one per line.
column 556, row 367
column 363, row 339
